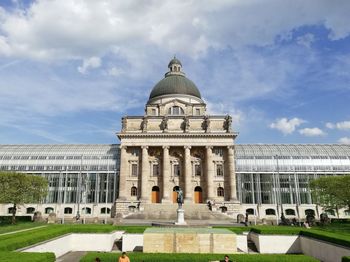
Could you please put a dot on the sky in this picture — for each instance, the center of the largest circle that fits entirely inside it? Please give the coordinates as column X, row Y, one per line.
column 69, row 70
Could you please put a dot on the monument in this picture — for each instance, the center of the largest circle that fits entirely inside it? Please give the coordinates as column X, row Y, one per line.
column 180, row 212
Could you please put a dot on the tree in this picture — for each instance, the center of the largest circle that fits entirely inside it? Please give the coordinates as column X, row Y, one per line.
column 332, row 191
column 19, row 188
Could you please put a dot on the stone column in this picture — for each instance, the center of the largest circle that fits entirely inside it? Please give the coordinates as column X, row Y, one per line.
column 188, row 175
column 144, row 175
column 166, row 175
column 232, row 173
column 122, row 173
column 210, row 173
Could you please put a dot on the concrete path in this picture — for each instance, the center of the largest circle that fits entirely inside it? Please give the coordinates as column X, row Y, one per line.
column 22, row 230
column 71, row 256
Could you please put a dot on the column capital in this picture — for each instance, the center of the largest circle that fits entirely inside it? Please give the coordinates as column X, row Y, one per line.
column 144, row 147
column 165, row 147
column 209, row 147
column 123, row 147
column 187, row 147
column 230, row 147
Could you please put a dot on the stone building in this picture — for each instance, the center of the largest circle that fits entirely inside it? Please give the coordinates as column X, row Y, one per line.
column 176, row 144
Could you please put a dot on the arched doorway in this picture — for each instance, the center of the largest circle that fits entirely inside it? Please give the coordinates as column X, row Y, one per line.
column 198, row 195
column 175, row 189
column 155, row 195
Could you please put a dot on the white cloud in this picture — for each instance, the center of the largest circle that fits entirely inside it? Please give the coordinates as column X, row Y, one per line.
column 114, row 71
column 92, row 62
column 306, row 40
column 312, row 132
column 344, row 140
column 287, row 126
column 344, row 125
column 55, row 29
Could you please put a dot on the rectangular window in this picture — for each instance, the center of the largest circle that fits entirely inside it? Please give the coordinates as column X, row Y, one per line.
column 177, row 170
column 155, row 170
column 218, row 151
column 198, row 111
column 134, row 169
column 153, row 112
column 219, row 170
column 197, row 170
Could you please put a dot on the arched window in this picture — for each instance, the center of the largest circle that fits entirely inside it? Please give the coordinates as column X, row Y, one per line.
column 68, row 210
column 133, row 191
column 176, row 110
column 309, row 212
column 250, row 211
column 347, row 212
column 48, row 210
column 220, row 192
column 86, row 210
column 330, row 212
column 270, row 212
column 290, row 212
column 103, row 210
column 9, row 210
column 30, row 210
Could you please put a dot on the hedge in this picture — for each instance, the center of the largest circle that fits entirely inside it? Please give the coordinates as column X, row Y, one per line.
column 336, row 238
column 279, row 230
column 8, row 219
column 27, row 257
column 178, row 257
column 345, row 259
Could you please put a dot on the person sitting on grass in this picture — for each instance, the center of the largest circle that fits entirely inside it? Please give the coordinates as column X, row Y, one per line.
column 124, row 258
column 226, row 259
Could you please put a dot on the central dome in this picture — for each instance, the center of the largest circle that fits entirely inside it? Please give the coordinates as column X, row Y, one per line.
column 175, row 83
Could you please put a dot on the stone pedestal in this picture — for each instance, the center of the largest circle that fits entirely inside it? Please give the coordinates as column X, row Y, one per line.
column 180, row 217
column 189, row 240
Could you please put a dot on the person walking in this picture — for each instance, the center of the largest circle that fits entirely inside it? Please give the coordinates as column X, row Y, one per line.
column 124, row 258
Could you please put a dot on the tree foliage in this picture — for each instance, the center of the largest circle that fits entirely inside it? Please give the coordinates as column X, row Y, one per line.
column 331, row 191
column 19, row 188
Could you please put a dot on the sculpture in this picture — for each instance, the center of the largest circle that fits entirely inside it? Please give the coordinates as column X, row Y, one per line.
column 123, row 124
column 144, row 124
column 180, row 197
column 164, row 124
column 228, row 123
column 206, row 124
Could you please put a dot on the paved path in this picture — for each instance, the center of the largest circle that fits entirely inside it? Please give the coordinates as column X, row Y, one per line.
column 71, row 256
column 22, row 230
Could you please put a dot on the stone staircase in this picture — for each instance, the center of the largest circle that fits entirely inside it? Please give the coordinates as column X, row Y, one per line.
column 168, row 212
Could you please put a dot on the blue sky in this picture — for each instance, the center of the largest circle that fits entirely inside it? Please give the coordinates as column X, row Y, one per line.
column 69, row 70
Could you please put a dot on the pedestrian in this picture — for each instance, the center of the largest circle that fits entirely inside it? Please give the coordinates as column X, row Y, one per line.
column 124, row 258
column 226, row 259
column 97, row 259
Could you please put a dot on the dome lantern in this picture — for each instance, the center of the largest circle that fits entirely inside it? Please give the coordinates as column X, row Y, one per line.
column 175, row 82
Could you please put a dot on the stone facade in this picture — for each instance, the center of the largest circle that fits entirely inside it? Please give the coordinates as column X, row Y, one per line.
column 176, row 144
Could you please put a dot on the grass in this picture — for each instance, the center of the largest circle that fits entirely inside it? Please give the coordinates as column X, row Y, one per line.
column 345, row 259
column 20, row 226
column 27, row 257
column 276, row 230
column 148, row 257
column 22, row 239
column 237, row 230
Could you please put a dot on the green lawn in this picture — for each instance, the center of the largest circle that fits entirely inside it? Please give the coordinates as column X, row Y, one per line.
column 146, row 257
column 22, row 239
column 27, row 257
column 20, row 226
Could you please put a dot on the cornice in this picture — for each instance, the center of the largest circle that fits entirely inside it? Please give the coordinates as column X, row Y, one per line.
column 179, row 135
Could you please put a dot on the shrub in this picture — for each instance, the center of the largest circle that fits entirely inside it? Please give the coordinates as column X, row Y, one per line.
column 5, row 220
column 276, row 230
column 336, row 238
column 27, row 257
column 345, row 259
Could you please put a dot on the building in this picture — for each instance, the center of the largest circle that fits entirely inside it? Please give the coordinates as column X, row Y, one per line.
column 176, row 144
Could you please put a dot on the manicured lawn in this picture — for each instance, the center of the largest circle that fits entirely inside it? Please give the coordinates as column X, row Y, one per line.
column 20, row 226
column 22, row 239
column 27, row 257
column 237, row 230
column 146, row 257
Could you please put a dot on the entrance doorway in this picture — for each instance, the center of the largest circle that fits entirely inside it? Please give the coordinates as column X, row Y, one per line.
column 155, row 195
column 176, row 188
column 198, row 195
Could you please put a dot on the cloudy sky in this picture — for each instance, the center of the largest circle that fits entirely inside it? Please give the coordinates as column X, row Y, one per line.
column 69, row 70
